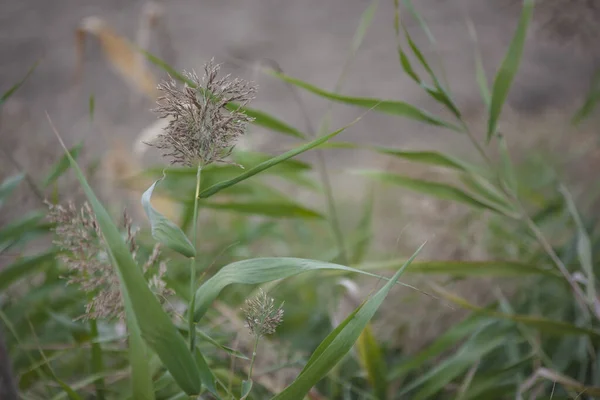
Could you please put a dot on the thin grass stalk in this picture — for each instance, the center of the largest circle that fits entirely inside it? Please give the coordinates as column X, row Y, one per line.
column 97, row 361
column 192, row 324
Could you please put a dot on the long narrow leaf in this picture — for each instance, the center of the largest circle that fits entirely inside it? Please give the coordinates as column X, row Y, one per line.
column 9, row 185
column 335, row 346
column 62, row 165
column 17, row 85
column 272, row 162
column 508, row 69
column 156, row 327
column 393, row 107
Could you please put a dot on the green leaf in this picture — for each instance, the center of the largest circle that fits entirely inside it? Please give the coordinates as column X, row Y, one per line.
column 260, row 118
column 208, row 379
column 246, row 388
column 506, row 166
column 508, row 68
column 371, row 358
column 17, row 85
column 482, row 187
column 62, row 165
column 428, row 157
column 442, row 343
column 544, row 325
column 272, row 162
column 481, row 78
column 165, row 231
column 275, row 209
column 364, row 230
column 591, row 101
column 24, row 267
column 499, row 268
column 155, row 325
column 584, row 245
column 385, row 106
column 335, row 346
column 14, row 231
column 92, row 107
column 8, row 186
column 439, row 190
column 436, row 378
column 260, row 270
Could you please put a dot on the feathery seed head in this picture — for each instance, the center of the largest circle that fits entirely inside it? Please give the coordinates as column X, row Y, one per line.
column 201, row 129
column 262, row 318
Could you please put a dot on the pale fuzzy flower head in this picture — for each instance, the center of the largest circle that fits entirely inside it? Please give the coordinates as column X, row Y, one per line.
column 84, row 252
column 201, row 129
column 262, row 317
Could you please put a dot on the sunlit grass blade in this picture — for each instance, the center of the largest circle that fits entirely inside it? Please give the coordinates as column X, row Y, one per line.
column 155, row 325
column 393, row 107
column 273, row 162
column 584, row 246
column 17, row 85
column 429, row 157
column 274, row 209
column 8, row 186
column 62, row 165
column 497, row 268
column 261, row 270
column 436, row 189
column 335, row 346
column 260, row 118
column 165, row 231
column 543, row 325
column 371, row 357
column 508, row 69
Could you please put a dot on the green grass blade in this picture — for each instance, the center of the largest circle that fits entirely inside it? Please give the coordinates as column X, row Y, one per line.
column 155, row 325
column 17, row 85
column 25, row 266
column 543, row 325
column 591, row 101
column 508, row 69
column 8, row 186
column 371, row 358
column 92, row 107
column 436, row 378
column 584, row 246
column 273, row 162
column 428, row 157
column 506, row 166
column 274, row 209
column 208, row 379
column 165, row 231
column 62, row 165
column 261, row 270
column 365, row 21
column 499, row 268
column 476, row 183
column 260, row 118
column 364, row 229
column 335, row 346
column 393, row 107
column 439, row 190
column 481, row 78
column 442, row 343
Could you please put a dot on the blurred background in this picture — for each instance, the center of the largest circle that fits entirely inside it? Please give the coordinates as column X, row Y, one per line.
column 312, row 40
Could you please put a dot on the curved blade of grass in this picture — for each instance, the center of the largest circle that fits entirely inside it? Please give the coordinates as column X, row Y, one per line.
column 17, row 85
column 429, row 157
column 584, row 246
column 439, row 190
column 9, row 185
column 372, row 361
column 62, row 165
column 273, row 161
column 270, row 209
column 591, row 101
column 442, row 343
column 208, row 379
column 544, row 325
column 508, row 69
column 25, row 266
column 364, row 229
column 260, row 270
column 506, row 166
column 260, row 118
column 393, row 107
column 155, row 325
column 482, row 82
column 165, row 231
column 499, row 268
column 335, row 346
column 478, row 184
column 436, row 378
